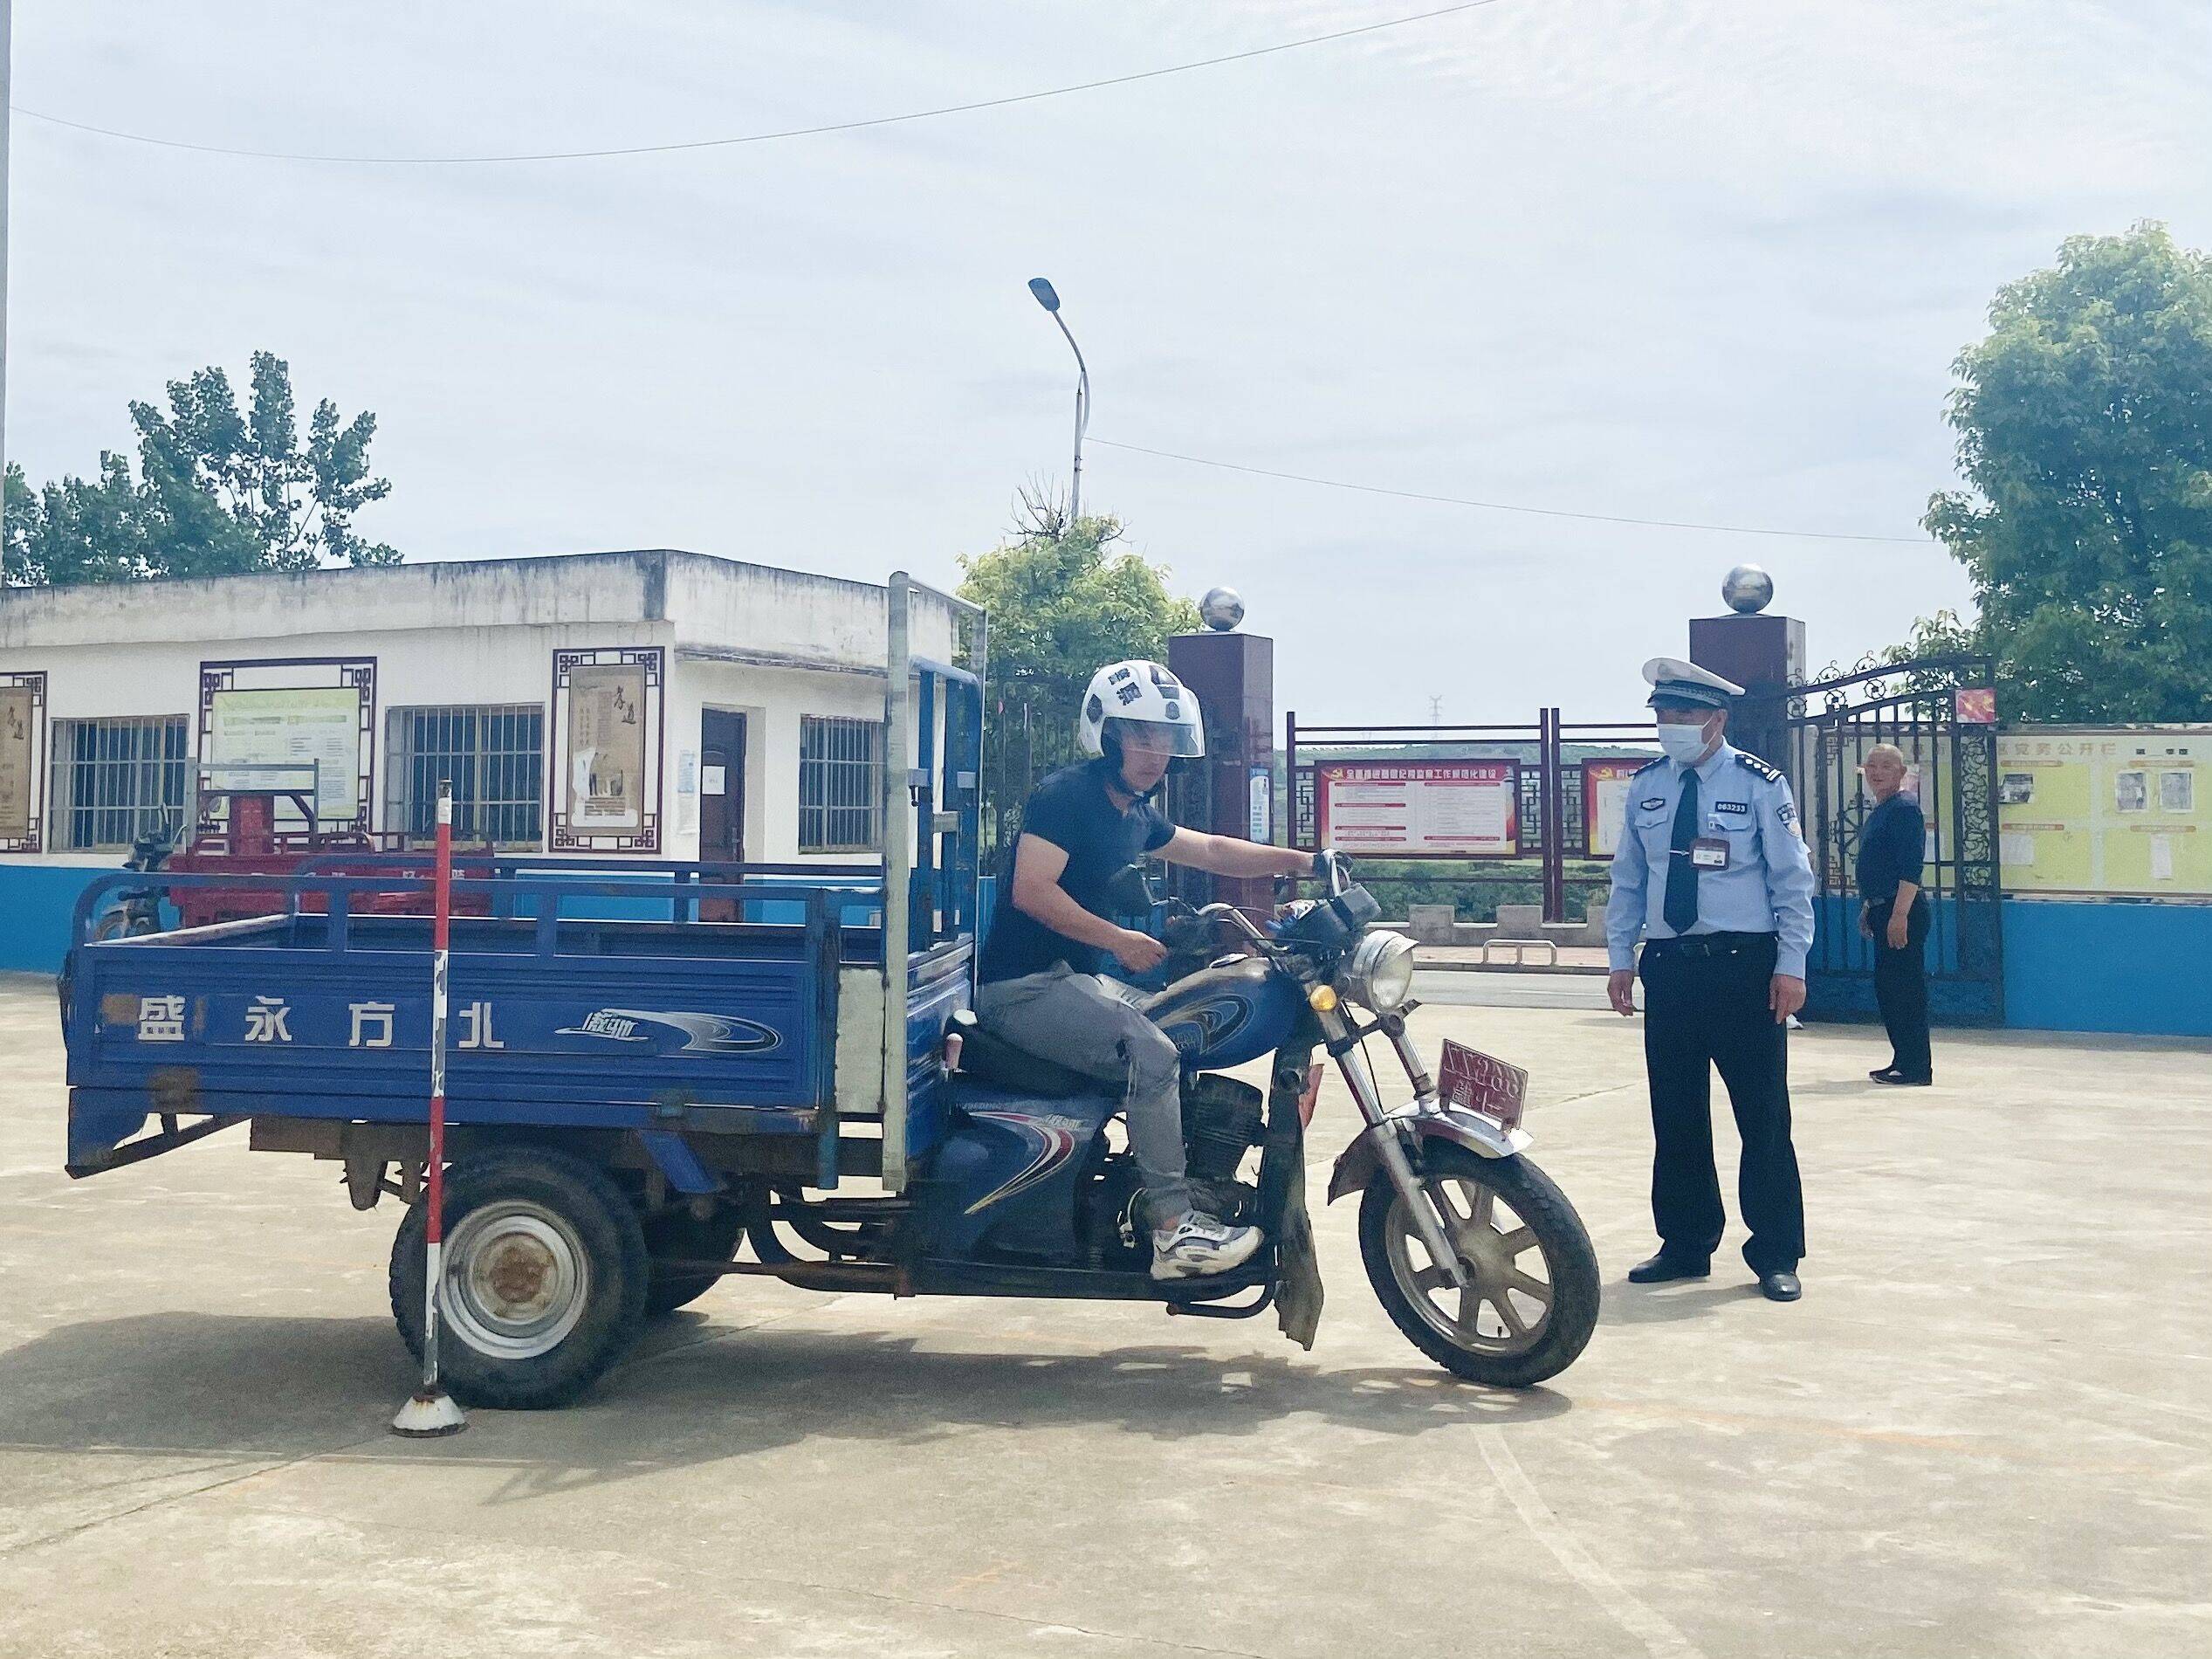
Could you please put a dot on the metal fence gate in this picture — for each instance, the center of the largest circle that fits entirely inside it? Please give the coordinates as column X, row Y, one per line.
column 1940, row 711
column 1558, row 860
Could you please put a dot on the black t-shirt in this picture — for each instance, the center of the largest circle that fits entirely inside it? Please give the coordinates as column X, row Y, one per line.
column 1891, row 845
column 1072, row 810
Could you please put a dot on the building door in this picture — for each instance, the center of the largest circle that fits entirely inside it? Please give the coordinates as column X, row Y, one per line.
column 721, row 801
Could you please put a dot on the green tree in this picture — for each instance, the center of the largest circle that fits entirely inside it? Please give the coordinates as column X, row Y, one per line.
column 217, row 491
column 2086, row 437
column 1063, row 602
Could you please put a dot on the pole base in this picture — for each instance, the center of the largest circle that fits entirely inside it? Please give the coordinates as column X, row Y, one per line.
column 430, row 1415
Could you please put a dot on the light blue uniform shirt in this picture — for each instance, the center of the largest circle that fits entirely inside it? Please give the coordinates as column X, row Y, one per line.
column 1767, row 885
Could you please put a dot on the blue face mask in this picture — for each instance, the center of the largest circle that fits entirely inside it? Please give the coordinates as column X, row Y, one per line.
column 1684, row 743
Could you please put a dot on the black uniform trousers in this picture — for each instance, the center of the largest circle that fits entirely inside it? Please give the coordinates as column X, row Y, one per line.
column 1704, row 1005
column 1900, row 986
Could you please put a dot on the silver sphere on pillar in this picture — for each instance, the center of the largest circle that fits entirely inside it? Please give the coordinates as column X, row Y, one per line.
column 1748, row 590
column 1222, row 609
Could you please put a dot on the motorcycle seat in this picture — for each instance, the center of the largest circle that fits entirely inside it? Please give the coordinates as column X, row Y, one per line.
column 992, row 1059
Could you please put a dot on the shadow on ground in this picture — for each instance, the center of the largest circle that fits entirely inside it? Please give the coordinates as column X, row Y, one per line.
column 695, row 1392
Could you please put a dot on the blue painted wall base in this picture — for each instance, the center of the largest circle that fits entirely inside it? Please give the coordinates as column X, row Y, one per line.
column 2108, row 967
column 36, row 903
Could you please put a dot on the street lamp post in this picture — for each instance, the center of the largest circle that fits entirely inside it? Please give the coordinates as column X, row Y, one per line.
column 1050, row 301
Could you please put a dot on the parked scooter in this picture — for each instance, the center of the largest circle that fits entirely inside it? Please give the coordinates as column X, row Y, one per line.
column 140, row 911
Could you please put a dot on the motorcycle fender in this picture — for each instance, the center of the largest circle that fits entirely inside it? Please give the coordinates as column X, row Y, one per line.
column 1359, row 1161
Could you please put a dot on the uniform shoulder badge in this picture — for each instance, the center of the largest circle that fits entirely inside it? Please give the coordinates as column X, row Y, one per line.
column 1753, row 763
column 1647, row 766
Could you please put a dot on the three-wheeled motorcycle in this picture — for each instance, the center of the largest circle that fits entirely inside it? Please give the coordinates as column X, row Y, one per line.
column 657, row 1064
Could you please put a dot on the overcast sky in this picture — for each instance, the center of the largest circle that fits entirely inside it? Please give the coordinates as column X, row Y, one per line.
column 1706, row 260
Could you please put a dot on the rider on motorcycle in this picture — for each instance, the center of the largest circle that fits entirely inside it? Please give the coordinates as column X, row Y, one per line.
column 1040, row 987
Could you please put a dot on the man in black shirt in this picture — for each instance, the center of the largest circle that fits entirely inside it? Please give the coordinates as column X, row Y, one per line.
column 1894, row 914
column 1039, row 985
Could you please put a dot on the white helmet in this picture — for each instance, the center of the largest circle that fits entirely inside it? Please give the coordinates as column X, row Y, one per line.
column 1141, row 695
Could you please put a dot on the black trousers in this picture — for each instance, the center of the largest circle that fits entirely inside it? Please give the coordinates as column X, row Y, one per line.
column 1701, row 1011
column 1900, row 987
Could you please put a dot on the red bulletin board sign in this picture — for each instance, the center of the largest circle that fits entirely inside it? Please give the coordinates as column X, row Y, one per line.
column 1604, row 810
column 1434, row 809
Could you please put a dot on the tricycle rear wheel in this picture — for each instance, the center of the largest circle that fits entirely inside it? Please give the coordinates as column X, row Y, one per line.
column 545, row 1281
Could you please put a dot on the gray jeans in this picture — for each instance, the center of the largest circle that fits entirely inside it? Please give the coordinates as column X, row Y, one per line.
column 1081, row 1021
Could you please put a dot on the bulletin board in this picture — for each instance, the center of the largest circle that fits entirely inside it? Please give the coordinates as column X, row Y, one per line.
column 22, row 762
column 289, row 712
column 1605, row 789
column 2106, row 812
column 606, row 748
column 1446, row 809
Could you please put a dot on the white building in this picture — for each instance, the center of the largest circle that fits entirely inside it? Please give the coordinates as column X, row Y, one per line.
column 643, row 705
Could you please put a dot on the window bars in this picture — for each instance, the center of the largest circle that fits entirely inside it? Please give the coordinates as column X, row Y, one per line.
column 116, row 780
column 840, row 785
column 494, row 755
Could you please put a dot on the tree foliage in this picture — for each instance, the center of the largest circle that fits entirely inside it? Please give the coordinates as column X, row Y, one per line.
column 2085, row 425
column 216, row 490
column 1063, row 604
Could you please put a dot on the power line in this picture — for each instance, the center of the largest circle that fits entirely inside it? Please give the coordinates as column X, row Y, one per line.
column 1508, row 506
column 761, row 138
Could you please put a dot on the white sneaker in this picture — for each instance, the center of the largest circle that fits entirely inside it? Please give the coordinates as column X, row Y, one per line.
column 1198, row 1245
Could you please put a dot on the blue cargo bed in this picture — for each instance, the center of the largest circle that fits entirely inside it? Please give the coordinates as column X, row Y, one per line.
column 725, row 1027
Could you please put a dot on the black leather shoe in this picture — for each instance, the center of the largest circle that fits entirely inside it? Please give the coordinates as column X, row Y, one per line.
column 1780, row 1287
column 1882, row 1074
column 1663, row 1266
column 1898, row 1080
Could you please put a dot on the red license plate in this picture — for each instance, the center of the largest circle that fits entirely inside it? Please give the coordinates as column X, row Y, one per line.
column 1473, row 1081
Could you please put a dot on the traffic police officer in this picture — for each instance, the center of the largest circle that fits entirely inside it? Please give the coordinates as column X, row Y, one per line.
column 1711, row 872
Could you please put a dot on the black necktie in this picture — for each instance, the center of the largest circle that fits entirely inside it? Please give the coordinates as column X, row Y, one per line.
column 1680, row 909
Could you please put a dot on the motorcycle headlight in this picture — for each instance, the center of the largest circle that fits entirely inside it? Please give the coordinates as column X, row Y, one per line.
column 1380, row 973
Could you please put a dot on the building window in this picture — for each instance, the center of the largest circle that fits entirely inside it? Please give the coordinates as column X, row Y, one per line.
column 115, row 781
column 840, row 785
column 493, row 755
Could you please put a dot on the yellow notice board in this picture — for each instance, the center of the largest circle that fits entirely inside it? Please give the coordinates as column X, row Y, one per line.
column 2110, row 810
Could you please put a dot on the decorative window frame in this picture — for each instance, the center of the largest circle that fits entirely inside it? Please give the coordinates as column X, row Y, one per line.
column 307, row 674
column 562, row 835
column 42, row 762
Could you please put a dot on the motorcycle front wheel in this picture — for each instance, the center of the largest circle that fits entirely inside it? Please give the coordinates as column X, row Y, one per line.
column 1531, row 1302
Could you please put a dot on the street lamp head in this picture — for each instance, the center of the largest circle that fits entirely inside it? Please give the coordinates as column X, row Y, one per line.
column 1046, row 297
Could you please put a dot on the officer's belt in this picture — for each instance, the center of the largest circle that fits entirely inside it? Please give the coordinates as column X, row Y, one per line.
column 1708, row 944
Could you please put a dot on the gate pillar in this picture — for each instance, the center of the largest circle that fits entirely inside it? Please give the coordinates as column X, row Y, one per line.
column 1764, row 654
column 1232, row 675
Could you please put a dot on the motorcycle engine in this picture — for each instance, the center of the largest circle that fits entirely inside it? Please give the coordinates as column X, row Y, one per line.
column 1221, row 1122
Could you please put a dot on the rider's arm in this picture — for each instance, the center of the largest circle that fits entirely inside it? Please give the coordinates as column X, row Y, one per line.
column 1228, row 855
column 1037, row 893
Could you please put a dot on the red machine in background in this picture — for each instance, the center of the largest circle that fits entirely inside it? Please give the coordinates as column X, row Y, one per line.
column 238, row 830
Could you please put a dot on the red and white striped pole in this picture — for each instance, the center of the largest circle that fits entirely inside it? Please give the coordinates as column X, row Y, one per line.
column 432, row 1411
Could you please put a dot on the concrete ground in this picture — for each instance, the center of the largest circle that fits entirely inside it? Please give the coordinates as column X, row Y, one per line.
column 1986, row 1430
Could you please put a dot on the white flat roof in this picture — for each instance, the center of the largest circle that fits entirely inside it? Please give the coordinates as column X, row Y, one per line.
column 719, row 607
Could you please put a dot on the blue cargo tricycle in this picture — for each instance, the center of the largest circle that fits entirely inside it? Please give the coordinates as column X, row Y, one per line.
column 643, row 1102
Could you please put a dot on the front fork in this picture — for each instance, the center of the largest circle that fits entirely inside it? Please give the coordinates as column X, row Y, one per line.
column 1395, row 1144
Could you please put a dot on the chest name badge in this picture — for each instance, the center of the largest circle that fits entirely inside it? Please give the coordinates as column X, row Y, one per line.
column 1741, row 808
column 1710, row 853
